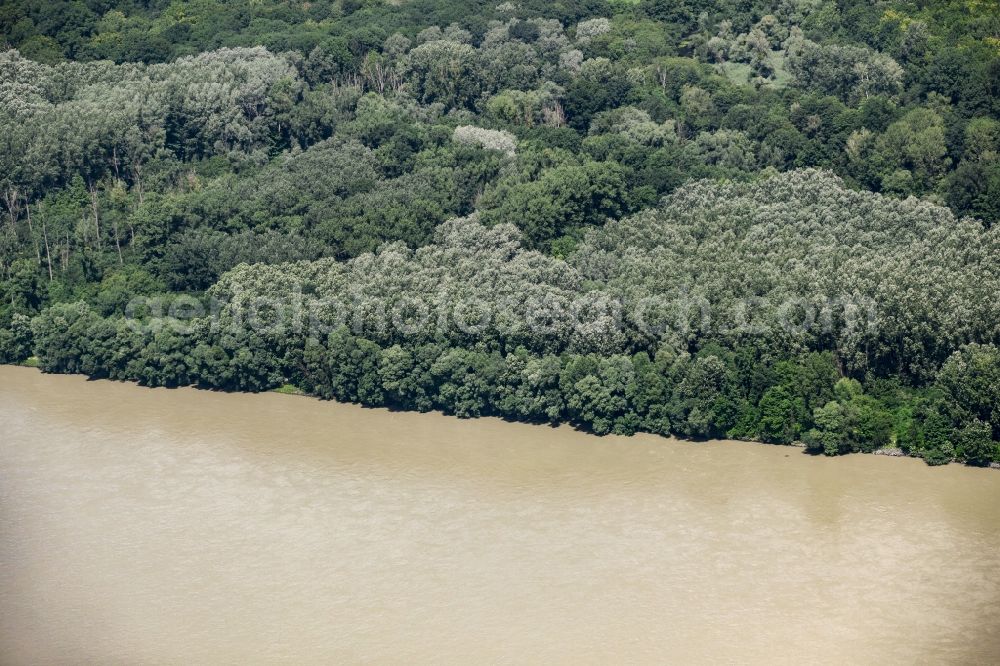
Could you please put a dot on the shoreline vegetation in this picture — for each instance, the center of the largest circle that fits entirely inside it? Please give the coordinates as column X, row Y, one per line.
column 773, row 220
column 888, row 451
column 290, row 390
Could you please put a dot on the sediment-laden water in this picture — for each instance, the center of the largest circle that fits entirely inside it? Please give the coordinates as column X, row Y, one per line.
column 144, row 526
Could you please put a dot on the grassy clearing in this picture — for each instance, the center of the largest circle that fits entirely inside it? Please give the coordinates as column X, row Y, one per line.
column 741, row 74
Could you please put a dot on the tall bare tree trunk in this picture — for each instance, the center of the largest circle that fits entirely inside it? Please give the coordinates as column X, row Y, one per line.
column 118, row 245
column 31, row 231
column 137, row 175
column 48, row 254
column 11, row 196
column 93, row 206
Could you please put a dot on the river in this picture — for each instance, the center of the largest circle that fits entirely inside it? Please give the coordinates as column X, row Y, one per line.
column 154, row 526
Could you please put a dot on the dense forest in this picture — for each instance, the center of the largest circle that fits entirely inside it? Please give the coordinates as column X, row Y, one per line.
column 773, row 220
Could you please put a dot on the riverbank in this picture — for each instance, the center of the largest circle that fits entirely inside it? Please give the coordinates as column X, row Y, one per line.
column 266, row 529
column 291, row 390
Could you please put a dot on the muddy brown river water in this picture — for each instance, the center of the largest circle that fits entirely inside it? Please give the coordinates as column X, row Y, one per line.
column 143, row 526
